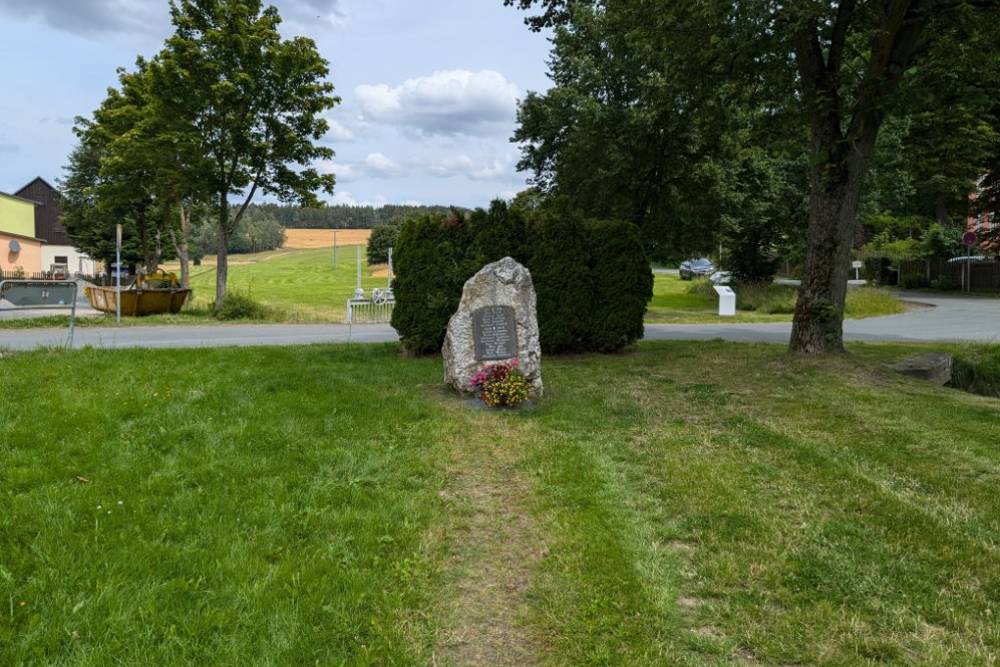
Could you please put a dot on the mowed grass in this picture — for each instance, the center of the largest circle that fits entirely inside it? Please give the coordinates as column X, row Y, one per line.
column 295, row 286
column 694, row 302
column 298, row 285
column 220, row 507
column 687, row 503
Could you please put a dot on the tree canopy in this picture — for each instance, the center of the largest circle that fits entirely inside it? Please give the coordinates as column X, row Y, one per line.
column 695, row 118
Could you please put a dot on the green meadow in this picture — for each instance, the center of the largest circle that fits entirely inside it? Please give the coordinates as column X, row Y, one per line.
column 680, row 503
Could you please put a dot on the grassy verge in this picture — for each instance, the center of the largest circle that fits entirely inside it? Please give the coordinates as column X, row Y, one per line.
column 693, row 503
column 686, row 302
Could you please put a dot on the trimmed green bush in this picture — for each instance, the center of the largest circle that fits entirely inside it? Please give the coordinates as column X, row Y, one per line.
column 500, row 232
column 559, row 266
column 431, row 263
column 592, row 277
column 621, row 285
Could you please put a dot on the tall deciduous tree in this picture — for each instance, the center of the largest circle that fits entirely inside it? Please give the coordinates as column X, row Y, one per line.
column 110, row 179
column 832, row 67
column 256, row 102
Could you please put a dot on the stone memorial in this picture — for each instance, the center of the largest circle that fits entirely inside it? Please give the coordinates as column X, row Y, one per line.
column 496, row 321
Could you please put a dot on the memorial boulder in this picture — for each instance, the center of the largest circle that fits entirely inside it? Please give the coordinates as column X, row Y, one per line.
column 496, row 321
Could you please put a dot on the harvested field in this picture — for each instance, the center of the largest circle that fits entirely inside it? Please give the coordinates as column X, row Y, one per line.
column 306, row 239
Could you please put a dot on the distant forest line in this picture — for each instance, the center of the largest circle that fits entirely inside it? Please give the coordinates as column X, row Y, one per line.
column 341, row 216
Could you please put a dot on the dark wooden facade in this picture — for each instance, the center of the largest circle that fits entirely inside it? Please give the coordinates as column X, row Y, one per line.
column 47, row 226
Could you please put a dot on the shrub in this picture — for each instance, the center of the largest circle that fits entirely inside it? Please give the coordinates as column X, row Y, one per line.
column 500, row 232
column 621, row 285
column 240, row 306
column 501, row 385
column 977, row 372
column 383, row 237
column 592, row 278
column 432, row 263
column 563, row 283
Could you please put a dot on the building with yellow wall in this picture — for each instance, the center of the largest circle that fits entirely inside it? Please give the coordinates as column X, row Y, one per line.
column 20, row 250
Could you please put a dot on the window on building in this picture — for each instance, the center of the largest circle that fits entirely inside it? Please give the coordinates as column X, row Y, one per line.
column 61, row 259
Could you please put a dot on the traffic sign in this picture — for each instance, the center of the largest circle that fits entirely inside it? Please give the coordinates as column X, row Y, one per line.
column 969, row 239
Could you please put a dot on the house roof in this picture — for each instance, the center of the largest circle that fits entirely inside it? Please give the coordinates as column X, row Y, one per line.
column 47, row 216
column 37, row 178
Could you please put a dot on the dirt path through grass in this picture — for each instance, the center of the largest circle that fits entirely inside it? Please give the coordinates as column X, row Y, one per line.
column 495, row 546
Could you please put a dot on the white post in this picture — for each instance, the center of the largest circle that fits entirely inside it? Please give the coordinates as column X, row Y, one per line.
column 389, row 284
column 118, row 274
column 334, row 249
column 359, row 291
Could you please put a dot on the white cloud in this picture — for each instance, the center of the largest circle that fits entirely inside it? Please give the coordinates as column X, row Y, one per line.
column 463, row 165
column 312, row 13
column 95, row 18
column 345, row 172
column 345, row 198
column 377, row 164
column 339, row 132
column 446, row 102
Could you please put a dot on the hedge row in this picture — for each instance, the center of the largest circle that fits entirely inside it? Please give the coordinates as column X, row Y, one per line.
column 592, row 277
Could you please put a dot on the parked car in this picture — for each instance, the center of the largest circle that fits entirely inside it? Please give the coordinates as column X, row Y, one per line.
column 113, row 273
column 696, row 268
column 721, row 278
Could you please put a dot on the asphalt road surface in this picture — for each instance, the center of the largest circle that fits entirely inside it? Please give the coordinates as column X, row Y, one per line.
column 941, row 318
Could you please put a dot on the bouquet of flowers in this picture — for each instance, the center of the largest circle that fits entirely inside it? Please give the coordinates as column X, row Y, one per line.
column 501, row 385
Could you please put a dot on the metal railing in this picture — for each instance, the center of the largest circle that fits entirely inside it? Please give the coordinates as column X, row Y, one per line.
column 41, row 295
column 376, row 310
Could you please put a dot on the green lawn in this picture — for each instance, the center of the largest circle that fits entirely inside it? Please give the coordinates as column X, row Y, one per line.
column 683, row 503
column 301, row 284
column 693, row 302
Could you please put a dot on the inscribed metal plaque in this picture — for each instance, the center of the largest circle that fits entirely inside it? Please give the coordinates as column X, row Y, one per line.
column 494, row 333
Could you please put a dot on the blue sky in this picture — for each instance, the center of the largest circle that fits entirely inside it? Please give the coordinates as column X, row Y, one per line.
column 429, row 88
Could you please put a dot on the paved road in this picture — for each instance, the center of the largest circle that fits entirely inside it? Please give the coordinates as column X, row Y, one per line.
column 943, row 318
column 934, row 318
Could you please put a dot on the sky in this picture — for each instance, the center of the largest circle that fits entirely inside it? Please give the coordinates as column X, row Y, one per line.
column 429, row 88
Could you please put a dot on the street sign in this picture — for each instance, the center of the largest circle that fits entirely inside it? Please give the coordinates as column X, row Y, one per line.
column 857, row 264
column 969, row 239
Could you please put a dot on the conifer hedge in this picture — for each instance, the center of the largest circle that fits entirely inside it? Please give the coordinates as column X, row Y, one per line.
column 592, row 277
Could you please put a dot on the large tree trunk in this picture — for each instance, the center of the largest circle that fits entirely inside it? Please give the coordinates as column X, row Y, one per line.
column 835, row 192
column 841, row 150
column 222, row 255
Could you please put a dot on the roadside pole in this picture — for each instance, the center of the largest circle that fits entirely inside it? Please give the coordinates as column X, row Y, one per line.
column 334, row 249
column 118, row 275
column 389, row 272
column 359, row 292
column 968, row 240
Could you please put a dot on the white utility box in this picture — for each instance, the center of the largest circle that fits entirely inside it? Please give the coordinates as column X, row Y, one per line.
column 727, row 301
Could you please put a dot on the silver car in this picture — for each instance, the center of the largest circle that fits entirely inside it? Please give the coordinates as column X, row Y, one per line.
column 696, row 268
